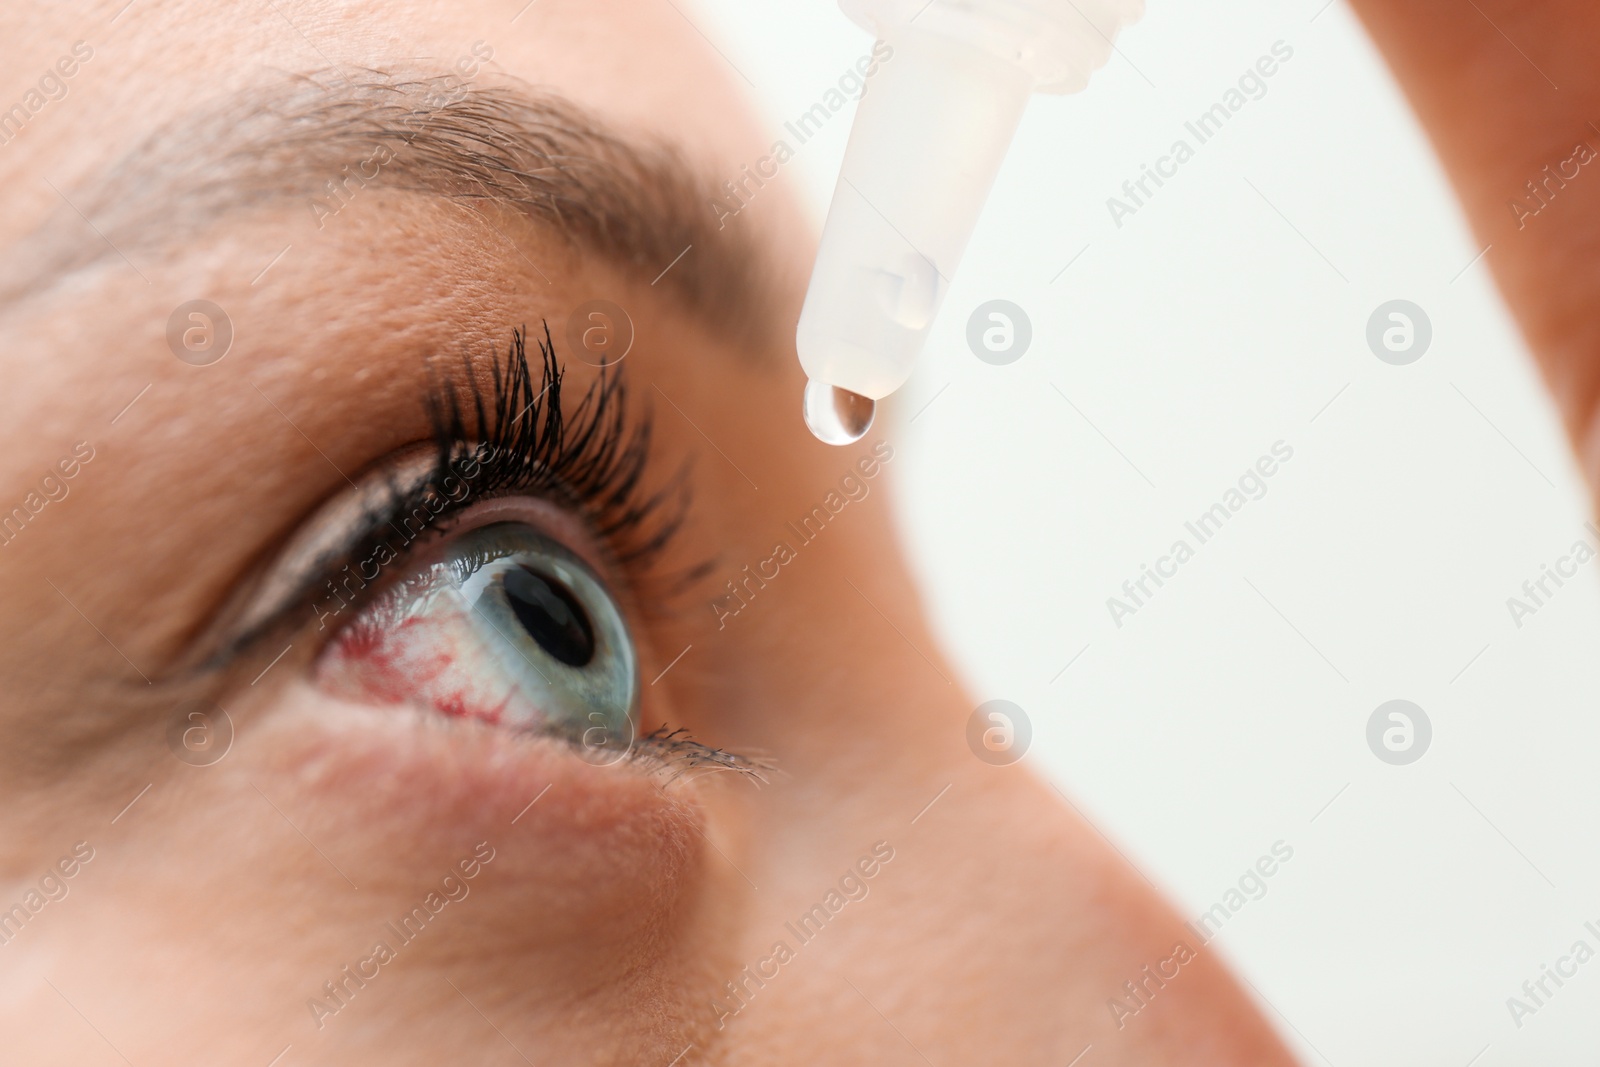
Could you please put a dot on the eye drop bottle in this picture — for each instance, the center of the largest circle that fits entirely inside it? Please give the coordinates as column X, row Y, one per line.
column 929, row 134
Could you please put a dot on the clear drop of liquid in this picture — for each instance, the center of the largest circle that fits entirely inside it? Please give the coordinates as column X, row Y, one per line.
column 837, row 416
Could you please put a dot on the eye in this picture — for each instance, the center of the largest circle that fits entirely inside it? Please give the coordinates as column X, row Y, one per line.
column 510, row 627
column 550, row 613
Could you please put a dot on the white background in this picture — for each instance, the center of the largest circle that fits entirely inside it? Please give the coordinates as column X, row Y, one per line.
column 1225, row 715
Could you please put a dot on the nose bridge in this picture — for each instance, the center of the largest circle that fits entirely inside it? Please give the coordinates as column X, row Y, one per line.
column 948, row 910
column 909, row 890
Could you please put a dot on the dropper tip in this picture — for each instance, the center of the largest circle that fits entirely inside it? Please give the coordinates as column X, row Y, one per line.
column 837, row 416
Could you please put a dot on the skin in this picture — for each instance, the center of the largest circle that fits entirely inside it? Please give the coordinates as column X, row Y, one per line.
column 1505, row 93
column 614, row 909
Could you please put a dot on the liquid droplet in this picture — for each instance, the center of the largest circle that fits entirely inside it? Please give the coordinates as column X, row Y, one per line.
column 837, row 416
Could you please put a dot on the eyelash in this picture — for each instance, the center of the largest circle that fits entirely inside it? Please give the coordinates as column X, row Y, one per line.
column 591, row 461
column 589, row 457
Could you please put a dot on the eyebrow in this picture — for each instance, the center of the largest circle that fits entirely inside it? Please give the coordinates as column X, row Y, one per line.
column 321, row 139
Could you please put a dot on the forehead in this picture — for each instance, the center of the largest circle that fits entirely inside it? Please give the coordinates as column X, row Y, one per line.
column 638, row 66
column 83, row 184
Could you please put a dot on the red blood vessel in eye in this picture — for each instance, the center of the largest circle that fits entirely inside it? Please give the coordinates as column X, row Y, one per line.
column 419, row 660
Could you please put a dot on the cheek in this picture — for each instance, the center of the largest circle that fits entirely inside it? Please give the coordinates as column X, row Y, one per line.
column 585, row 857
column 326, row 822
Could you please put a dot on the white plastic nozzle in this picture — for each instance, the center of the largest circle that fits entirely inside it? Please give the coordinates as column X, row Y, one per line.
column 929, row 134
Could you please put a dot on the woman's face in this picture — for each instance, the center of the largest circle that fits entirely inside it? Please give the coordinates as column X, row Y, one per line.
column 346, row 631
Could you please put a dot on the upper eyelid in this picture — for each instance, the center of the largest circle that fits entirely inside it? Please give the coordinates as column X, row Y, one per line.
column 332, row 535
column 335, row 535
column 588, row 457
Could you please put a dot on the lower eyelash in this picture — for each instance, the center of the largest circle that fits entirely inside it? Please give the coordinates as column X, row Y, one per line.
column 674, row 750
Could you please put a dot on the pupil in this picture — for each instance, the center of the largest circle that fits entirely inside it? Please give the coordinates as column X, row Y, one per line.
column 551, row 616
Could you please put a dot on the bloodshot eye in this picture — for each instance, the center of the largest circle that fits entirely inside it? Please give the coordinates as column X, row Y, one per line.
column 509, row 627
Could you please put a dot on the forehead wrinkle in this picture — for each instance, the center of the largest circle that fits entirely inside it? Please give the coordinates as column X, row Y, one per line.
column 636, row 202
